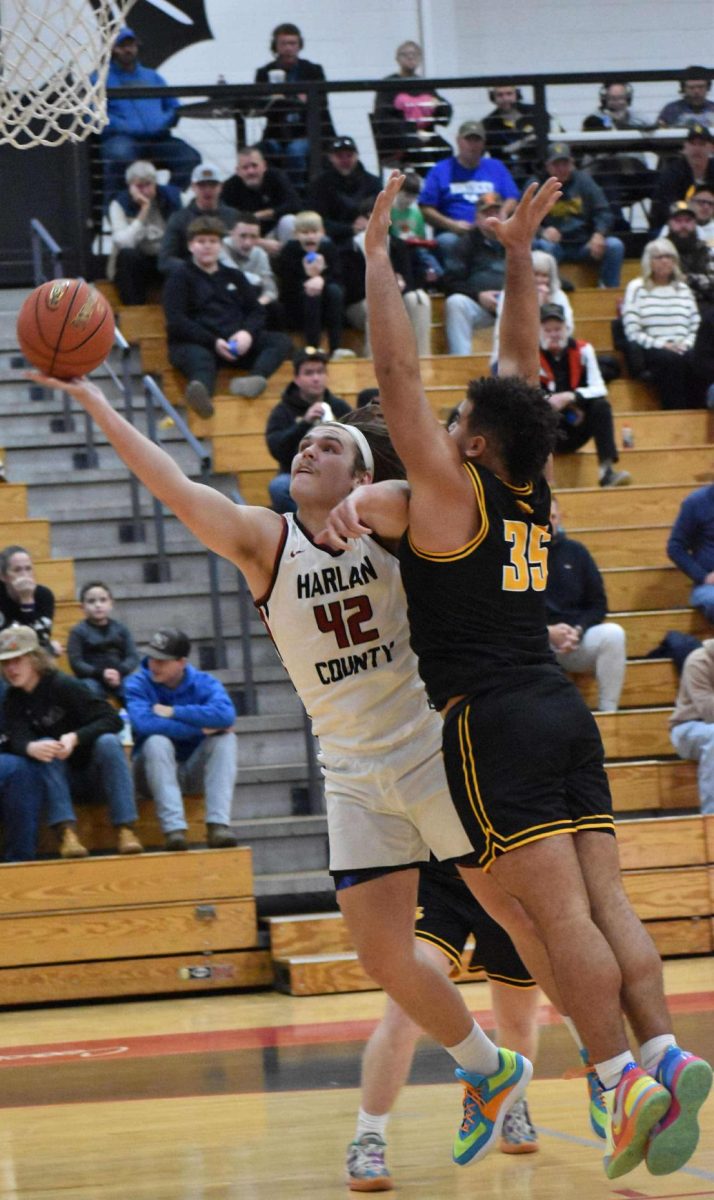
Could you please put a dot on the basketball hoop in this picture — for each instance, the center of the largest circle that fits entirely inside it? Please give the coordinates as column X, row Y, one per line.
column 54, row 56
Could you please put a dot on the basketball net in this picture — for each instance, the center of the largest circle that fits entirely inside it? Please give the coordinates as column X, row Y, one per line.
column 54, row 56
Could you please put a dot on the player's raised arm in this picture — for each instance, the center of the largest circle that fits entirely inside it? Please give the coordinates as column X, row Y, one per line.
column 520, row 323
column 246, row 536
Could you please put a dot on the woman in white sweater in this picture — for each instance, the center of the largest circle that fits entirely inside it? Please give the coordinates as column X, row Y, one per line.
column 660, row 319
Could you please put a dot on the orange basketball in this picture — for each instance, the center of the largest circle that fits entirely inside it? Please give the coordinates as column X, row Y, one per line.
column 65, row 328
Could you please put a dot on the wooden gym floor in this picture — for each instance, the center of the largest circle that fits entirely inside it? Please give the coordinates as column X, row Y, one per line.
column 252, row 1097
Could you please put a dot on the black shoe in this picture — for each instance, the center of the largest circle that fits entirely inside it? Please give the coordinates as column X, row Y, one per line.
column 198, row 399
column 176, row 840
column 220, row 837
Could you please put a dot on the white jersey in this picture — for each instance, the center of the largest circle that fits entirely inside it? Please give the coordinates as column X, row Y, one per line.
column 339, row 622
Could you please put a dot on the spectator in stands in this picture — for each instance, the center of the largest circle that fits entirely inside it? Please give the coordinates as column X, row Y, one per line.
column 452, row 189
column 54, row 719
column 304, row 403
column 408, row 224
column 138, row 217
column 475, row 279
column 309, row 284
column 184, row 741
column 24, row 601
column 214, row 318
column 140, row 128
column 550, row 291
column 285, row 137
column 510, row 131
column 339, row 191
column 660, row 320
column 206, row 187
column 691, row 547
column 577, row 229
column 267, row 193
column 22, row 793
column 416, row 300
column 404, row 123
column 576, row 607
column 242, row 249
column 693, row 106
column 691, row 725
column 702, row 201
column 571, row 377
column 695, row 257
column 684, row 173
column 100, row 649
column 624, row 178
column 614, row 109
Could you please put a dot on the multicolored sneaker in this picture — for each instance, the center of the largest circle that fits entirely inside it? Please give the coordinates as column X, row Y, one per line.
column 487, row 1099
column 366, row 1168
column 633, row 1108
column 688, row 1079
column 518, row 1135
column 598, row 1112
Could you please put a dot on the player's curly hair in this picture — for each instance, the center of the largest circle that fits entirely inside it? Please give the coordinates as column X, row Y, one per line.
column 519, row 419
column 370, row 420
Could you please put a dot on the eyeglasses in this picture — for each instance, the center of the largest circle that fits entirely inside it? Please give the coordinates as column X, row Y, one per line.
column 662, row 256
column 701, row 200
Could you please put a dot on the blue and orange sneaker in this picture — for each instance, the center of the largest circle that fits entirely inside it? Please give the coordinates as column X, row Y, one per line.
column 673, row 1141
column 598, row 1111
column 633, row 1108
column 487, row 1099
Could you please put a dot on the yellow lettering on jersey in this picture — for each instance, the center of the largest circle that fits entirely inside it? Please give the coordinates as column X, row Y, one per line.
column 528, row 567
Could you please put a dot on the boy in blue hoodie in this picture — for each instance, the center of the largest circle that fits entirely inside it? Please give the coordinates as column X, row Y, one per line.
column 182, row 720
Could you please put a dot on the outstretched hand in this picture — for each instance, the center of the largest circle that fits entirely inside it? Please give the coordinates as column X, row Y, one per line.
column 520, row 228
column 342, row 525
column 381, row 218
column 81, row 387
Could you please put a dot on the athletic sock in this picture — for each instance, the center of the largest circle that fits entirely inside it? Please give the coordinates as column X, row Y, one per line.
column 369, row 1123
column 477, row 1053
column 653, row 1050
column 610, row 1071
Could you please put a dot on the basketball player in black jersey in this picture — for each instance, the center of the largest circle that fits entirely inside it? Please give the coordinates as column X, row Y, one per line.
column 523, row 754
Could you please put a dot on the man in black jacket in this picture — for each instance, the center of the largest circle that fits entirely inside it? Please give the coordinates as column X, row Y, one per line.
column 304, row 403
column 206, row 183
column 576, row 607
column 678, row 179
column 213, row 319
column 264, row 191
column 338, row 193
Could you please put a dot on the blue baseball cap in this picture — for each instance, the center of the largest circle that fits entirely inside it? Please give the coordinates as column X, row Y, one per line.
column 125, row 35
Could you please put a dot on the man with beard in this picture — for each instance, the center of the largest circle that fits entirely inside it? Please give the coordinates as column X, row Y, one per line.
column 696, row 258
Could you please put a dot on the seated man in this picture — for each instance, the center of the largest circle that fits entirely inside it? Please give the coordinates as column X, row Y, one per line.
column 695, row 257
column 206, row 202
column 577, row 227
column 691, row 725
column 476, row 277
column 338, row 193
column 214, row 318
column 138, row 217
column 693, row 105
column 691, row 547
column 702, row 201
column 267, row 193
column 452, row 189
column 510, row 131
column 576, row 606
column 687, row 171
column 182, row 720
column 304, row 403
column 140, row 128
column 614, row 110
column 571, row 377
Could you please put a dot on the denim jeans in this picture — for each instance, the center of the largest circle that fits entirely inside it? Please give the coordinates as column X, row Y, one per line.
column 163, row 149
column 107, row 775
column 211, row 769
column 462, row 316
column 22, row 795
column 610, row 264
column 702, row 597
column 695, row 740
column 279, row 489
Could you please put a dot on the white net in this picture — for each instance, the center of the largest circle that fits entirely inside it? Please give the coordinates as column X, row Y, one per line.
column 54, row 56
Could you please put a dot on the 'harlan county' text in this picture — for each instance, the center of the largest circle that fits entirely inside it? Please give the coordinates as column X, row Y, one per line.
column 336, row 669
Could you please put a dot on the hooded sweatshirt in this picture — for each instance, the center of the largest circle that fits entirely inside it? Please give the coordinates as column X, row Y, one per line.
column 199, row 702
column 287, row 425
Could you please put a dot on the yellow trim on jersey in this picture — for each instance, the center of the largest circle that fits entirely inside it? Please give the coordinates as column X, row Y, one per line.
column 423, row 935
column 505, row 980
column 464, row 551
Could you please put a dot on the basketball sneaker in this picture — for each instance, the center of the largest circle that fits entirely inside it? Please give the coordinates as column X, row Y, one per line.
column 598, row 1112
column 487, row 1100
column 633, row 1109
column 673, row 1141
column 518, row 1135
column 366, row 1168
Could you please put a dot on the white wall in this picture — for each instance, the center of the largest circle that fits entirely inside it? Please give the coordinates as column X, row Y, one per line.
column 356, row 40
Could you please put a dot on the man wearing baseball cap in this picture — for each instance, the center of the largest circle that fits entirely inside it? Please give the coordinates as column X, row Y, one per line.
column 453, row 186
column 182, row 720
column 140, row 128
column 338, row 193
column 206, row 183
column 695, row 257
column 577, row 229
column 472, row 286
column 691, row 168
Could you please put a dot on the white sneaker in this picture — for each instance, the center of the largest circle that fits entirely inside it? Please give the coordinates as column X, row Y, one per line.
column 340, row 353
column 366, row 1168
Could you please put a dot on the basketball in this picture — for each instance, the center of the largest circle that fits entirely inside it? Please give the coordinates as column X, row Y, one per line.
column 65, row 328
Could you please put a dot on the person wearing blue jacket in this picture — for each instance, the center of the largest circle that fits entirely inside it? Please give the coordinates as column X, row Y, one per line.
column 182, row 721
column 140, row 127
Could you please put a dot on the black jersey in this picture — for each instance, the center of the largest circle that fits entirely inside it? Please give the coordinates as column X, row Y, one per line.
column 477, row 614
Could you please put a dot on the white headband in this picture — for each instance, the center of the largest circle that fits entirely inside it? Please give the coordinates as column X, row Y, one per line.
column 361, row 442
